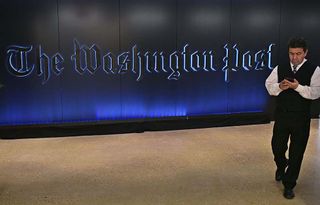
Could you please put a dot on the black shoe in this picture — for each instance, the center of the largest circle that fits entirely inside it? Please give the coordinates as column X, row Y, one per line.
column 288, row 193
column 279, row 175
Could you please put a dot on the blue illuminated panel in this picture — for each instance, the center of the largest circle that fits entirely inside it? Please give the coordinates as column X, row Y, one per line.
column 104, row 67
column 91, row 63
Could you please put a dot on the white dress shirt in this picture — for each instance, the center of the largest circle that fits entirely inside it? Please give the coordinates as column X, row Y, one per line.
column 311, row 92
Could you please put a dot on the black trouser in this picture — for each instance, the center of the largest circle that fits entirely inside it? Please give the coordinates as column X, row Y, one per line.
column 296, row 126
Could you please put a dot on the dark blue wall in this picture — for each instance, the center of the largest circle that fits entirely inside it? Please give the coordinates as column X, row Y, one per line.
column 151, row 25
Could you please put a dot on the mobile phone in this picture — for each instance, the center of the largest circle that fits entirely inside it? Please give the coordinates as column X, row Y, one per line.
column 289, row 79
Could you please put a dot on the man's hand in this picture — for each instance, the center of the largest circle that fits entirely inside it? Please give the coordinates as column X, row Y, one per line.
column 294, row 84
column 286, row 84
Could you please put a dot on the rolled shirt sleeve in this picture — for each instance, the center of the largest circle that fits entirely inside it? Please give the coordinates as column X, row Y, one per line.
column 272, row 84
column 311, row 92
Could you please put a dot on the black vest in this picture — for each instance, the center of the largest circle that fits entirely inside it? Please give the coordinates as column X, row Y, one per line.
column 290, row 100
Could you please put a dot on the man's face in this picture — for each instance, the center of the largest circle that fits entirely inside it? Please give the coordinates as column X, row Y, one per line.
column 297, row 55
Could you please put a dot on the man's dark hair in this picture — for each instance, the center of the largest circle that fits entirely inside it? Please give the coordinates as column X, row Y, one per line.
column 298, row 43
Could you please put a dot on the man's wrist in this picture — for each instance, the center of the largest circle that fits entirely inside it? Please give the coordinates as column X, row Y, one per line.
column 298, row 88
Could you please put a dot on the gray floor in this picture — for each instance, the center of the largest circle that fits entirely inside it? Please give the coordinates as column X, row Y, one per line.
column 229, row 165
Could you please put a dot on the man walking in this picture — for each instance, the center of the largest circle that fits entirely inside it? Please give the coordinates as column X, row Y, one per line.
column 295, row 83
